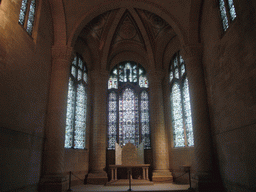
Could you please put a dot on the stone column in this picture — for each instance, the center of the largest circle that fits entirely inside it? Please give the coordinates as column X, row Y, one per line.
column 53, row 157
column 161, row 171
column 97, row 173
column 200, row 116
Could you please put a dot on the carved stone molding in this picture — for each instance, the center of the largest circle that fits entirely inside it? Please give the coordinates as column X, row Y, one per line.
column 128, row 30
column 154, row 23
column 96, row 26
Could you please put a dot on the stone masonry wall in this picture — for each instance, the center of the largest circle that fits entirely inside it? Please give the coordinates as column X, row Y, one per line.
column 25, row 63
column 230, row 68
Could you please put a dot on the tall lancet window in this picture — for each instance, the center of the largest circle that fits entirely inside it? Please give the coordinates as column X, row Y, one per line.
column 227, row 12
column 128, row 106
column 76, row 105
column 27, row 14
column 180, row 103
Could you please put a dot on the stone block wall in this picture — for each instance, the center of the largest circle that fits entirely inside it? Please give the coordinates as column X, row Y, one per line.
column 230, row 71
column 25, row 65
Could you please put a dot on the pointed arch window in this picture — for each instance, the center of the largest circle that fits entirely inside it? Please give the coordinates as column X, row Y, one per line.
column 227, row 12
column 128, row 106
column 27, row 15
column 180, row 103
column 76, row 105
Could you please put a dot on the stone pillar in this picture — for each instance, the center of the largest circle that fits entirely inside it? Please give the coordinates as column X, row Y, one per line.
column 161, row 171
column 53, row 157
column 97, row 173
column 200, row 117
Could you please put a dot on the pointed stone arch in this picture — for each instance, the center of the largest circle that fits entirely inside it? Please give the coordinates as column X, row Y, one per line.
column 111, row 4
column 140, row 45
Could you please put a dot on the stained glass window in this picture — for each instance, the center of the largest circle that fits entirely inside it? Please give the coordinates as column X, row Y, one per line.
column 23, row 11
column 180, row 104
column 232, row 10
column 144, row 119
column 27, row 14
column 76, row 105
column 128, row 117
column 128, row 106
column 112, row 119
column 227, row 12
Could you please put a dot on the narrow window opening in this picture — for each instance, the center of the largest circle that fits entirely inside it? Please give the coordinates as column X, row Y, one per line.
column 180, row 104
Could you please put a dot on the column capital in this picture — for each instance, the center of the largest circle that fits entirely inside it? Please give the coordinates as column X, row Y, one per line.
column 62, row 53
column 192, row 51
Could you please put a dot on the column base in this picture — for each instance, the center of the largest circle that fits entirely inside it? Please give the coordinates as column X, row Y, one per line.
column 162, row 176
column 53, row 183
column 97, row 178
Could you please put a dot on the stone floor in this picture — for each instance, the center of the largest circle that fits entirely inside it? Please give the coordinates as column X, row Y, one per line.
column 138, row 188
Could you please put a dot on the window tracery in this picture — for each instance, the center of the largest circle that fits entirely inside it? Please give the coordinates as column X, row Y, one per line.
column 128, row 106
column 76, row 105
column 227, row 12
column 180, row 103
column 27, row 14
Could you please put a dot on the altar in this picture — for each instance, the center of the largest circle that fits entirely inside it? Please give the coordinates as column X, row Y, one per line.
column 128, row 159
column 144, row 168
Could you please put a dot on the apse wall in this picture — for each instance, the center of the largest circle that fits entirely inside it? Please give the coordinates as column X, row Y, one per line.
column 229, row 61
column 25, row 65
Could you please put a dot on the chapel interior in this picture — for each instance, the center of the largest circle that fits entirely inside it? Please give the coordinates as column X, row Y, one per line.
column 171, row 83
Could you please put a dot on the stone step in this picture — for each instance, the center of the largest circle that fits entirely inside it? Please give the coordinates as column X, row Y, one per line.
column 169, row 187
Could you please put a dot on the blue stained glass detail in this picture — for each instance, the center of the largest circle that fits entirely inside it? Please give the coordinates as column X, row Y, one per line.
column 187, row 113
column 23, row 11
column 128, row 122
column 74, row 62
column 31, row 16
column 80, row 63
column 176, row 73
column 128, row 118
column 128, row 73
column 80, row 117
column 85, row 77
column 76, row 107
column 73, row 71
column 143, row 82
column 180, row 104
column 223, row 13
column 175, row 62
column 112, row 120
column 181, row 60
column 177, row 119
column 70, row 115
column 182, row 69
column 232, row 9
column 171, row 76
column 79, row 75
column 112, row 82
column 144, row 119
